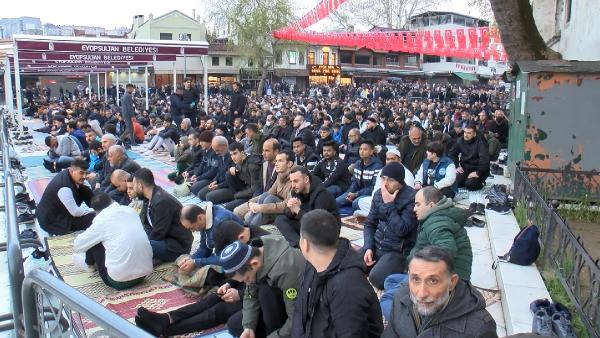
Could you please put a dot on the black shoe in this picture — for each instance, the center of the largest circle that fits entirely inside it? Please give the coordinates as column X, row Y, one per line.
column 28, row 234
column 496, row 169
column 155, row 323
column 22, row 197
column 475, row 222
column 26, row 218
column 26, row 204
column 51, row 166
column 476, row 209
column 561, row 322
column 499, row 208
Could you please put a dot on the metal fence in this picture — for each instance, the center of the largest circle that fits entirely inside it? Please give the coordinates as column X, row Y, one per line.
column 566, row 185
column 563, row 253
column 41, row 304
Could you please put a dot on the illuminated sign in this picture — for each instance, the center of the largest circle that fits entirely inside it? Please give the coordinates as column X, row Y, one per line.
column 324, row 70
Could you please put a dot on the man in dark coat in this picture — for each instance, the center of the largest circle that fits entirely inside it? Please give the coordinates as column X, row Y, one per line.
column 374, row 132
column 61, row 209
column 177, row 106
column 449, row 308
column 413, row 148
column 332, row 170
column 191, row 96
column 238, row 101
column 128, row 112
column 391, row 227
column 161, row 219
column 471, row 157
column 326, row 290
column 308, row 193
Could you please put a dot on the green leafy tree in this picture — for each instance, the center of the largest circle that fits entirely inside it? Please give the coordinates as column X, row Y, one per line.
column 251, row 24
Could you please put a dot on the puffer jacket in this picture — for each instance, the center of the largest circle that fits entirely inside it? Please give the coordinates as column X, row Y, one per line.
column 392, row 226
column 365, row 176
column 443, row 226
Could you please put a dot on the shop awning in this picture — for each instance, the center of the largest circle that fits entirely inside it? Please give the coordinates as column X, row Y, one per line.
column 466, row 76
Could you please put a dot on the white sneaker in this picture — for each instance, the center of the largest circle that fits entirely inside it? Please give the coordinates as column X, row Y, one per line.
column 79, row 261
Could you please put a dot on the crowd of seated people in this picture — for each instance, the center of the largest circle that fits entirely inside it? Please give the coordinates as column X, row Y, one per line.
column 392, row 154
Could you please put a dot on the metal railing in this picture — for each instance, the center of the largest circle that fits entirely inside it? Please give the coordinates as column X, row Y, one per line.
column 563, row 253
column 13, row 246
column 41, row 288
column 565, row 185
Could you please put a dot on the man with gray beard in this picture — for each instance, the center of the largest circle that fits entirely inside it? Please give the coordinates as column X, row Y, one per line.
column 437, row 303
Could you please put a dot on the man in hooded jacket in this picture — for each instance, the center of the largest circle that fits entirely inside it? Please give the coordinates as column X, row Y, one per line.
column 327, row 304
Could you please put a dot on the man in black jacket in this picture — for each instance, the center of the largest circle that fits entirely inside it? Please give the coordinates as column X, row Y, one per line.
column 308, row 193
column 304, row 154
column 243, row 178
column 332, row 170
column 191, row 97
column 117, row 159
column 168, row 238
column 219, row 162
column 238, row 101
column 473, row 165
column 177, row 106
column 128, row 112
column 374, row 132
column 61, row 209
column 335, row 299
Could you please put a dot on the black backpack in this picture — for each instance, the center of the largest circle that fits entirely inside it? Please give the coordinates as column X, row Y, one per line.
column 525, row 248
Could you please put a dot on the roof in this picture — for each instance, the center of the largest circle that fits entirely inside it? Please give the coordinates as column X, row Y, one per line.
column 557, row 66
column 167, row 14
column 434, row 13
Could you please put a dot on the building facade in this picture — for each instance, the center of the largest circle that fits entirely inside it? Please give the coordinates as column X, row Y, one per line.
column 22, row 25
column 569, row 27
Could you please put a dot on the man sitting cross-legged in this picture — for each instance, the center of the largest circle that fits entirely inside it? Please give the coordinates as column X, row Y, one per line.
column 308, row 193
column 212, row 310
column 206, row 219
column 169, row 239
column 116, row 244
column 263, row 209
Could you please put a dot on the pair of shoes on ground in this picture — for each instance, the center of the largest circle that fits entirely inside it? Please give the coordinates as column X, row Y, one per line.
column 499, row 208
column 476, row 209
column 25, row 216
column 551, row 319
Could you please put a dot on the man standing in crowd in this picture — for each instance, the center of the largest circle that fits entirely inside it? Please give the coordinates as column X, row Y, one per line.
column 128, row 112
column 238, row 101
column 116, row 244
column 308, row 193
column 391, row 227
column 161, row 219
column 191, row 97
column 472, row 158
column 64, row 206
column 437, row 302
column 335, row 300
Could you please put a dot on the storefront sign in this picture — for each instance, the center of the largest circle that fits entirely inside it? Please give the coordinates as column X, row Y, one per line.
column 93, row 57
column 110, row 48
column 324, row 70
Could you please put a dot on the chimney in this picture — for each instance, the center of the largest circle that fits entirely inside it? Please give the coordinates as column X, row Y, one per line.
column 138, row 20
column 194, row 13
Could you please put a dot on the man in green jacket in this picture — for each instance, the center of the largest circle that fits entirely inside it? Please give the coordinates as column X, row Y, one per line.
column 442, row 224
column 273, row 275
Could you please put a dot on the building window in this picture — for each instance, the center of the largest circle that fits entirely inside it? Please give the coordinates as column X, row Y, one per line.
column 412, row 60
column 278, row 57
column 392, row 60
column 333, row 58
column 431, row 59
column 228, row 61
column 325, row 58
column 166, row 36
column 185, row 37
column 459, row 20
column 292, row 57
column 376, row 60
column 311, row 58
column 345, row 57
column 362, row 59
column 215, row 61
column 460, row 60
column 301, row 58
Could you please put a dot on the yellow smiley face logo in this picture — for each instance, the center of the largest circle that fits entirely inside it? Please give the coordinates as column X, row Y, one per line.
column 291, row 293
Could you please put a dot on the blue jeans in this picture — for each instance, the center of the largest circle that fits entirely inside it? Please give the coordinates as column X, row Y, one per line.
column 390, row 286
column 342, row 201
column 335, row 190
column 160, row 251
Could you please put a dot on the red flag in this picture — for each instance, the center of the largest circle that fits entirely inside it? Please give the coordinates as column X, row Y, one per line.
column 428, row 41
column 460, row 37
column 449, row 38
column 418, row 42
column 484, row 32
column 439, row 42
column 472, row 38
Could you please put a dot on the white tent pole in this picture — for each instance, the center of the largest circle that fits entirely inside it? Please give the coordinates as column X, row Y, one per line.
column 90, row 86
column 98, row 85
column 8, row 93
column 19, row 113
column 205, row 66
column 129, row 75
column 146, row 84
column 118, row 91
column 174, row 77
column 106, row 87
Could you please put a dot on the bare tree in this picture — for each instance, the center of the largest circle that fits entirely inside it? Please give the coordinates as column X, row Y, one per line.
column 381, row 13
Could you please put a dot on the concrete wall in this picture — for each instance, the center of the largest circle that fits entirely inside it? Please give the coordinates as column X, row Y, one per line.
column 580, row 39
